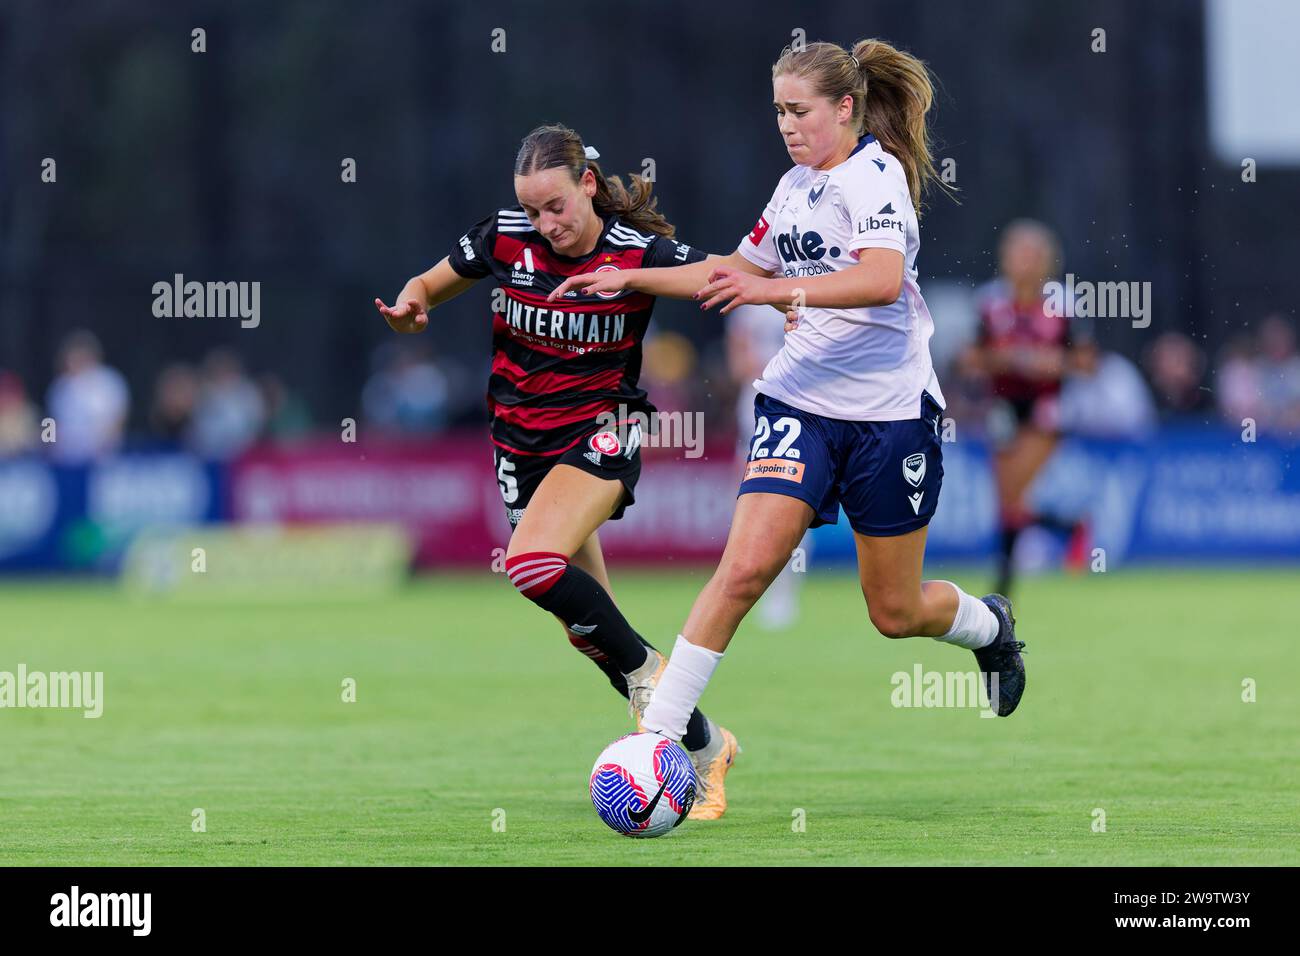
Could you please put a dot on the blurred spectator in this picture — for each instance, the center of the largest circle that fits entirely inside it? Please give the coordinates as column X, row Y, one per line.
column 407, row 393
column 1259, row 378
column 88, row 401
column 1278, row 374
column 1176, row 366
column 175, row 396
column 287, row 415
column 18, row 428
column 1236, row 382
column 1105, row 396
column 229, row 412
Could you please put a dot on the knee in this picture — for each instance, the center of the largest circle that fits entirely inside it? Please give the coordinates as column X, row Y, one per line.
column 533, row 573
column 744, row 580
column 893, row 619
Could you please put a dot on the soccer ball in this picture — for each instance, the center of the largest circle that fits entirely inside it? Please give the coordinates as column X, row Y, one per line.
column 643, row 785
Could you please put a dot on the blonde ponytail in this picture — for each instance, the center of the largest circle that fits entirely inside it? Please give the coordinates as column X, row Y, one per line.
column 892, row 93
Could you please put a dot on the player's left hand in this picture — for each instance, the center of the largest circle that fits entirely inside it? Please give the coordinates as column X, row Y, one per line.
column 592, row 283
column 733, row 287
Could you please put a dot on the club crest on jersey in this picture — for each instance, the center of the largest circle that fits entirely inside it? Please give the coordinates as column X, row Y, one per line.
column 609, row 295
column 604, row 443
column 818, row 188
column 914, row 469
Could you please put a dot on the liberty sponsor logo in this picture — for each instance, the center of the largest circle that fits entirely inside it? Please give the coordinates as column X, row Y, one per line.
column 775, row 468
column 759, row 231
column 1099, row 300
column 874, row 224
column 69, row 690
column 209, row 300
column 524, row 270
column 102, row 909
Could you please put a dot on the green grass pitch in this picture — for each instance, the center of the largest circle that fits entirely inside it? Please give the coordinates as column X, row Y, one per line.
column 470, row 702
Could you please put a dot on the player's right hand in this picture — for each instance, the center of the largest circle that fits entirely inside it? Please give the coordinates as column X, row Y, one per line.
column 408, row 316
column 791, row 319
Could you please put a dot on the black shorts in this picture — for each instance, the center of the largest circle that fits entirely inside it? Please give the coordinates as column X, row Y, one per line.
column 1008, row 416
column 604, row 453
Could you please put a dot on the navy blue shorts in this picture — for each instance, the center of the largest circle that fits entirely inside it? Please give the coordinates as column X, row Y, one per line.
column 886, row 475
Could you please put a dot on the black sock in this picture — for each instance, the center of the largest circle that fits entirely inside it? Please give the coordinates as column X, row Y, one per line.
column 697, row 728
column 585, row 607
column 697, row 732
column 1008, row 547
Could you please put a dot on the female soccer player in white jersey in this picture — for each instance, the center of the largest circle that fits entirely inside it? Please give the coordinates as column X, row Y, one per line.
column 848, row 411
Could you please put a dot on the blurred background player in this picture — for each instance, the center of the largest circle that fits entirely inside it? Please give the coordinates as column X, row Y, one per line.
column 1021, row 354
column 556, row 373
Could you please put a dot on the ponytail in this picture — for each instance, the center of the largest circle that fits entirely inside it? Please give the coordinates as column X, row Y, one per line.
column 892, row 93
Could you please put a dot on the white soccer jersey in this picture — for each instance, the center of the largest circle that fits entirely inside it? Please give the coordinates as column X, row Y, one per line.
column 867, row 364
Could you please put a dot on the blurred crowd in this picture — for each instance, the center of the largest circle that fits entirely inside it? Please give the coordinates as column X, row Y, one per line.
column 217, row 407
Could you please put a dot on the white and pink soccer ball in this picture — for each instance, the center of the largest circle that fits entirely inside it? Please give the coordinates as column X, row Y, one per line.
column 643, row 785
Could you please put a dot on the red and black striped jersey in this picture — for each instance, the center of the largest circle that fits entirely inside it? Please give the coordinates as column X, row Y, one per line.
column 1006, row 325
column 558, row 366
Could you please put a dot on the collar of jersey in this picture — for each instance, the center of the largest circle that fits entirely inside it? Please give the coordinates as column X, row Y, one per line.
column 863, row 140
column 866, row 139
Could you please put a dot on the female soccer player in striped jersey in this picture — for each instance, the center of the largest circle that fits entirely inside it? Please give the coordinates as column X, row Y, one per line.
column 848, row 411
column 560, row 377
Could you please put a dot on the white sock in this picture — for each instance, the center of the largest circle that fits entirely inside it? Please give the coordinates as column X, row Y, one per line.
column 679, row 689
column 974, row 626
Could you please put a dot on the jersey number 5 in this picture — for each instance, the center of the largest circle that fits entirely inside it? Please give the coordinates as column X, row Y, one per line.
column 509, row 487
column 790, row 427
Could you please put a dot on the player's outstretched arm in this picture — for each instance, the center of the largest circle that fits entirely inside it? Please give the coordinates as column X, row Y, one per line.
column 877, row 279
column 410, row 311
column 671, row 282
